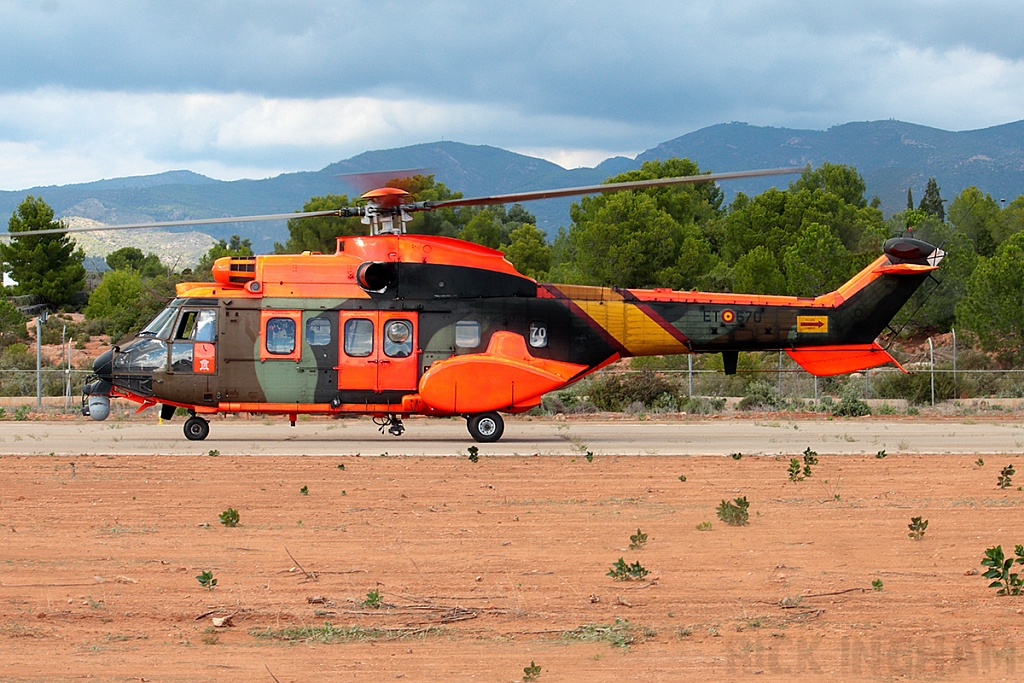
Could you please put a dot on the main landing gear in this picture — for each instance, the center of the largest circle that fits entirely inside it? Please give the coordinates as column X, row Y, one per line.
column 485, row 427
column 196, row 428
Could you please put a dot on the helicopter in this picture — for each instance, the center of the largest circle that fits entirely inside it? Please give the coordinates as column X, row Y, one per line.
column 395, row 324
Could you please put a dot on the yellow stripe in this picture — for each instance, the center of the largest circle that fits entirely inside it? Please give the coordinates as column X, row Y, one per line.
column 632, row 328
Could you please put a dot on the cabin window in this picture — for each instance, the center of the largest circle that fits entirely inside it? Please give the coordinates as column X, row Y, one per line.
column 318, row 331
column 397, row 338
column 538, row 335
column 467, row 334
column 358, row 337
column 187, row 325
column 280, row 336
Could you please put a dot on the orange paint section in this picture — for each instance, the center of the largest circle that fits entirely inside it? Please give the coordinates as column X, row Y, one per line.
column 204, row 359
column 825, row 361
column 506, row 376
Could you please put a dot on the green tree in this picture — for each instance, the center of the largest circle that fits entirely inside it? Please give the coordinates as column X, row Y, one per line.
column 994, row 308
column 623, row 240
column 817, row 262
column 1011, row 220
column 931, row 202
column 48, row 266
column 838, row 179
column 528, row 251
column 124, row 301
column 976, row 214
column 654, row 237
column 132, row 258
column 910, row 199
column 12, row 324
column 320, row 234
column 757, row 272
column 235, row 247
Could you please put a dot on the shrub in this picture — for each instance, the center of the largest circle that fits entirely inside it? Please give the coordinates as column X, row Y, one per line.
column 702, row 406
column 917, row 527
column 229, row 517
column 613, row 391
column 621, row 571
column 761, row 395
column 999, row 569
column 735, row 513
column 851, row 407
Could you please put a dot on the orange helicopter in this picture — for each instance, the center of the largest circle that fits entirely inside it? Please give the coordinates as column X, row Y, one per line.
column 395, row 324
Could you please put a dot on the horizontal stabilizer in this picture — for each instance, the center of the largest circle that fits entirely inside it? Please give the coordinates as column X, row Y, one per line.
column 824, row 361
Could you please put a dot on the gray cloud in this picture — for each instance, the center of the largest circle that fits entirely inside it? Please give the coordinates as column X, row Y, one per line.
column 537, row 74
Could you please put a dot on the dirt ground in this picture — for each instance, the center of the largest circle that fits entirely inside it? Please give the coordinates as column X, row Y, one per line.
column 483, row 568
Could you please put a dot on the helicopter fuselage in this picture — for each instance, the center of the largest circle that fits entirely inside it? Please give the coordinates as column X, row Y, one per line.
column 394, row 325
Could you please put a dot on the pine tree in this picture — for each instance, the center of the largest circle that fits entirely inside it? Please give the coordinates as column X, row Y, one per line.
column 48, row 266
column 910, row 199
column 931, row 203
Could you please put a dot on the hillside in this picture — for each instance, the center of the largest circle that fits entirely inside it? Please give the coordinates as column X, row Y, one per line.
column 892, row 156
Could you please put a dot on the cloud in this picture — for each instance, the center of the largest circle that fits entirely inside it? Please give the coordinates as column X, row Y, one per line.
column 234, row 88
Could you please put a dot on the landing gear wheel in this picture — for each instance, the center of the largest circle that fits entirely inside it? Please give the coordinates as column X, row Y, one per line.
column 196, row 428
column 486, row 427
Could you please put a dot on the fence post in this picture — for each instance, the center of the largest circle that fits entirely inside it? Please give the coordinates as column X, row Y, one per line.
column 780, row 375
column 689, row 363
column 931, row 353
column 39, row 362
column 954, row 363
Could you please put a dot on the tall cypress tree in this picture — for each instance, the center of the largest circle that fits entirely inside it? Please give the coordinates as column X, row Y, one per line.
column 48, row 266
column 931, row 203
column 910, row 199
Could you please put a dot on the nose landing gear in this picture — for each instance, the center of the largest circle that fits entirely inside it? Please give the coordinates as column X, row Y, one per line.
column 392, row 423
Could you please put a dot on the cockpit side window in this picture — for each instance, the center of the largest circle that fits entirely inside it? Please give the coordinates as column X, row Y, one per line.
column 206, row 326
column 160, row 327
column 186, row 325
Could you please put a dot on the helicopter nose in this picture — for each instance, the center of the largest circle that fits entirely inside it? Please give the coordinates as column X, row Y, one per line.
column 103, row 366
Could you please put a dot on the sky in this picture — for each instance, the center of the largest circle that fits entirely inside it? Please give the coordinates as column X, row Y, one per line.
column 251, row 89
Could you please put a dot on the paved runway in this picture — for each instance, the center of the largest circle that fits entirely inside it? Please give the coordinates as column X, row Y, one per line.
column 440, row 437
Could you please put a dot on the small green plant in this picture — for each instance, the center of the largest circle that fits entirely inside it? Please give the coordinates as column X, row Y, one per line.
column 682, row 477
column 341, row 466
column 474, row 454
column 736, row 456
column 373, row 599
column 229, row 517
column 304, row 490
column 795, row 470
column 979, row 462
column 621, row 571
column 590, row 458
column 3, row 412
column 880, row 454
column 876, row 585
column 1006, row 476
column 999, row 569
column 531, row 673
column 735, row 513
column 21, row 413
column 638, row 540
column 704, row 526
column 206, row 580
column 810, row 458
column 213, row 453
column 917, row 527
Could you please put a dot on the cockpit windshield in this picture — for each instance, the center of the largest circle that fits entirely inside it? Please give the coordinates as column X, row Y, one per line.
column 163, row 324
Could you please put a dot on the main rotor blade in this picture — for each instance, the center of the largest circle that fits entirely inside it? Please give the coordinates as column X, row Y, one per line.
column 598, row 189
column 344, row 212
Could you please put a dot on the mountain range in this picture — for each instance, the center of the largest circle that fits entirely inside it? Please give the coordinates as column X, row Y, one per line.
column 891, row 155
